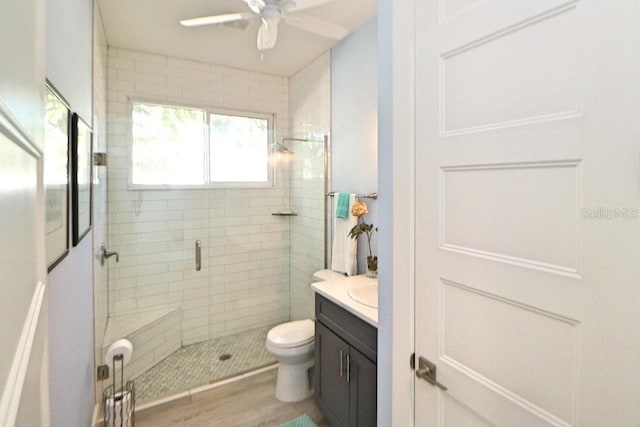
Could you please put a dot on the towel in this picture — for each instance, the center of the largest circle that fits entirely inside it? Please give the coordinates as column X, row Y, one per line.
column 344, row 248
column 342, row 207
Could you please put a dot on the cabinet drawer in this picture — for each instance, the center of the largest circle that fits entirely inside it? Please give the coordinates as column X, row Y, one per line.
column 347, row 326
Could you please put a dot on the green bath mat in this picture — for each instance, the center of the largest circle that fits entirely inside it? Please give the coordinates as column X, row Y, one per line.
column 301, row 421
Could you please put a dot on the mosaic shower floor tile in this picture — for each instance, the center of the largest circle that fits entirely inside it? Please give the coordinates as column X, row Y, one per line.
column 202, row 363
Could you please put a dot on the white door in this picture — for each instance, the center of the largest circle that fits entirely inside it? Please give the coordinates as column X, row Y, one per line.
column 23, row 309
column 527, row 222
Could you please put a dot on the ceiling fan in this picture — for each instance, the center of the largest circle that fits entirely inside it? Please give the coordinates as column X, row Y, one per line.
column 270, row 12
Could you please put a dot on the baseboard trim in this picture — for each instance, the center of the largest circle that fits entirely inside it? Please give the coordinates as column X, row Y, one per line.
column 95, row 420
column 12, row 393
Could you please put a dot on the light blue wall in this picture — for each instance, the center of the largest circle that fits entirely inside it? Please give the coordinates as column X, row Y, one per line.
column 71, row 380
column 395, row 157
column 69, row 52
column 354, row 121
column 69, row 67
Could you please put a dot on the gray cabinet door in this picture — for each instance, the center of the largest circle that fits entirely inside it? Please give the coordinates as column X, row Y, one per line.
column 331, row 388
column 363, row 390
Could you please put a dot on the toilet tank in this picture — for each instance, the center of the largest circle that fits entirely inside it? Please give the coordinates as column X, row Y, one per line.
column 326, row 274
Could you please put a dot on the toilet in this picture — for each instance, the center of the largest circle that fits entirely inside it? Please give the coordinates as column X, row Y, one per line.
column 292, row 345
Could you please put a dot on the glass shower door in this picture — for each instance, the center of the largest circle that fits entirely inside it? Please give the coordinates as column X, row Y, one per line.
column 249, row 258
column 158, row 298
column 307, row 198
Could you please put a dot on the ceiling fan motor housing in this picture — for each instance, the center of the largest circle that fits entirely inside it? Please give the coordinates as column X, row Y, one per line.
column 271, row 11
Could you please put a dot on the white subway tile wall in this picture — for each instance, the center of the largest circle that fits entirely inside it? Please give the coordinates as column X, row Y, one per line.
column 244, row 280
column 310, row 105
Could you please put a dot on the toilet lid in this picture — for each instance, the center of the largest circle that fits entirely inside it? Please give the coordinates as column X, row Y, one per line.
column 292, row 334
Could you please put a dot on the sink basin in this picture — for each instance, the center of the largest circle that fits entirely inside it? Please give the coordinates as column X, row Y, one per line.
column 364, row 290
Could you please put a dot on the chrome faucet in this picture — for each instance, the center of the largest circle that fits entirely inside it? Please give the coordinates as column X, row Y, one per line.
column 105, row 254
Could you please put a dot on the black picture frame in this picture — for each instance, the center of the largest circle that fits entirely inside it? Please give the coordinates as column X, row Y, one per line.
column 56, row 176
column 81, row 177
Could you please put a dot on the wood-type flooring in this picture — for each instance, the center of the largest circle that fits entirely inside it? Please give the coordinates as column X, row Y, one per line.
column 249, row 402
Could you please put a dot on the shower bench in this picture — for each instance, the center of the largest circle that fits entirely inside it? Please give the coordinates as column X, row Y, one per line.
column 154, row 334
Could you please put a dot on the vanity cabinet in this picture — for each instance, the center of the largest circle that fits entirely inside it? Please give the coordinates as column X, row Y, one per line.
column 345, row 366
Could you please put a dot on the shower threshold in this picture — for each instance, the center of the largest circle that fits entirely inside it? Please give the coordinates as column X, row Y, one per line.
column 206, row 387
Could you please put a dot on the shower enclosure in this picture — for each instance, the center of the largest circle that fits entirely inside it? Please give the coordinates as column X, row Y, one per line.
column 205, row 273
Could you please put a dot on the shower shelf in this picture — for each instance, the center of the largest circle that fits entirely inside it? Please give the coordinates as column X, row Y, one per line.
column 284, row 214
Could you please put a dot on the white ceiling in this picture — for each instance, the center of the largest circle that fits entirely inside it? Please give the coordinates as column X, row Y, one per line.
column 152, row 26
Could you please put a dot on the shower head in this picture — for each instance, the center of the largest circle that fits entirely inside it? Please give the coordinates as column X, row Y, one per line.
column 282, row 149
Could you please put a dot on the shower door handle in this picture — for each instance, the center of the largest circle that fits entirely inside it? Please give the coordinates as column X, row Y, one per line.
column 198, row 255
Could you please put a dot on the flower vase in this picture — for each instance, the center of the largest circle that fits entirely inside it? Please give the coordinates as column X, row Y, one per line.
column 372, row 266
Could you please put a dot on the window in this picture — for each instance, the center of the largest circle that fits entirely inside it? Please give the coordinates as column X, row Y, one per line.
column 174, row 146
column 239, row 148
column 167, row 145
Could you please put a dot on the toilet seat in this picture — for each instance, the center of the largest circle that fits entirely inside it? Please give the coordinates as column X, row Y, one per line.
column 292, row 334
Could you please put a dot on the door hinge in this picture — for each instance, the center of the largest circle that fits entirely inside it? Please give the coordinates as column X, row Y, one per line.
column 412, row 361
column 100, row 159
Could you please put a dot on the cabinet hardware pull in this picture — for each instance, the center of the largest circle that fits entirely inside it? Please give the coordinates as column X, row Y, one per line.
column 348, row 367
column 341, row 367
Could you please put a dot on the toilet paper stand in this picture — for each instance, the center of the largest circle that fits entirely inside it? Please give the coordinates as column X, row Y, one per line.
column 119, row 403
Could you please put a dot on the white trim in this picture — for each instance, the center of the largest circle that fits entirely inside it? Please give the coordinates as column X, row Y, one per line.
column 10, row 126
column 396, row 117
column 95, row 418
column 15, row 381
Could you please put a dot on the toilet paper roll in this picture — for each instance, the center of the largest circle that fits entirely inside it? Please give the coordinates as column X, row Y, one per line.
column 118, row 410
column 122, row 346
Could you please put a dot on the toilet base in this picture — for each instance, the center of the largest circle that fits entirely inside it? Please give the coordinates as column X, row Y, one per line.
column 293, row 383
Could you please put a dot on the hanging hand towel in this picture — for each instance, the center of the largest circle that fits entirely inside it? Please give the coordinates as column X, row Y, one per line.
column 344, row 248
column 342, row 207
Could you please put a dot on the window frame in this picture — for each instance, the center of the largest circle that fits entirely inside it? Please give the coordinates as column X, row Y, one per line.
column 207, row 111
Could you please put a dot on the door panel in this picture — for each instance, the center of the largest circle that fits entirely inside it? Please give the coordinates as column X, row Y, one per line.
column 24, row 396
column 517, row 209
column 551, row 90
column 527, row 225
column 489, row 339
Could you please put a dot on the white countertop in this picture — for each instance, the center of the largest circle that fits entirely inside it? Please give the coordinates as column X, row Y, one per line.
column 336, row 291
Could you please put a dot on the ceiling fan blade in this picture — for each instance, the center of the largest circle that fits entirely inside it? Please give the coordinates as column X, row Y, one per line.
column 215, row 19
column 268, row 33
column 308, row 4
column 317, row 26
